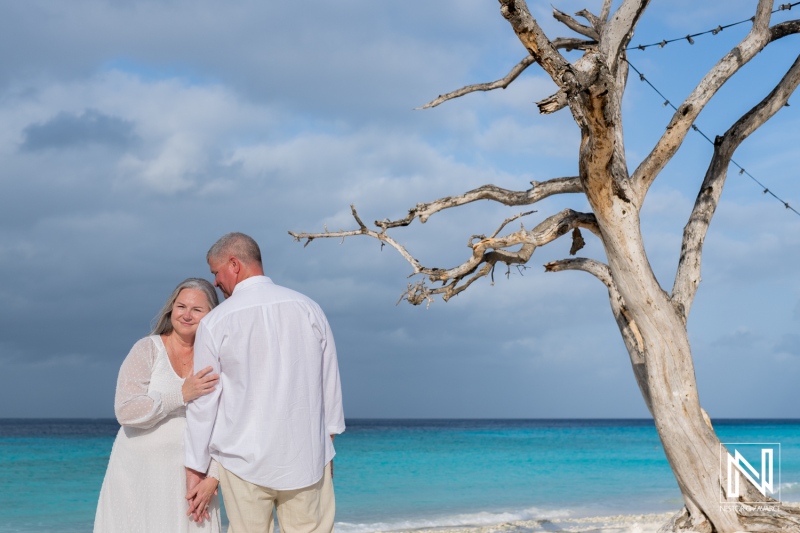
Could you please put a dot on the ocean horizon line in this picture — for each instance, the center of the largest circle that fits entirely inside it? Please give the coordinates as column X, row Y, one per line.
column 444, row 419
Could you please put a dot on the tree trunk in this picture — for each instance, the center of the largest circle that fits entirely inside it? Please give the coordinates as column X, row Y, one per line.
column 670, row 389
column 690, row 445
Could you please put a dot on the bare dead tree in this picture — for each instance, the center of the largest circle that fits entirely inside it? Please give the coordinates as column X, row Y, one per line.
column 652, row 322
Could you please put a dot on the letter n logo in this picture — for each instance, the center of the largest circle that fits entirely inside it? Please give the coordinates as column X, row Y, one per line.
column 742, row 459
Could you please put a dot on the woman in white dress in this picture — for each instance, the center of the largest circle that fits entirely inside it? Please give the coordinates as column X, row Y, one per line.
column 144, row 490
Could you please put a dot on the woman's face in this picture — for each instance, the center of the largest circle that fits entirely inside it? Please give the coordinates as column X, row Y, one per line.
column 190, row 306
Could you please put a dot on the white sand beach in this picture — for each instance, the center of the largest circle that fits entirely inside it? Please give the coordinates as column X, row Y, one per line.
column 527, row 522
column 644, row 523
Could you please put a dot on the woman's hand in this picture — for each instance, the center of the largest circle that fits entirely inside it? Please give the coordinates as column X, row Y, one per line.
column 199, row 384
column 199, row 499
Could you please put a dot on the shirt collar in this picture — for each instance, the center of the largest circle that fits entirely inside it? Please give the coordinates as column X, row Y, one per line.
column 249, row 282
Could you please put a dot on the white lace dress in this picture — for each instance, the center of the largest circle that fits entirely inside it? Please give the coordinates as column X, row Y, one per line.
column 145, row 484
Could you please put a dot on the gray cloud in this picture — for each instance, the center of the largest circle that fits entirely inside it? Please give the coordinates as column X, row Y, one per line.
column 67, row 130
column 198, row 118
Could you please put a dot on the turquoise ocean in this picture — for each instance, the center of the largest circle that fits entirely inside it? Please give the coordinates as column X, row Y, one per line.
column 407, row 474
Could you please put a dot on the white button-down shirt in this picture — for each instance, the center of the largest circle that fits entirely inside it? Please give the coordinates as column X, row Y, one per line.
column 279, row 398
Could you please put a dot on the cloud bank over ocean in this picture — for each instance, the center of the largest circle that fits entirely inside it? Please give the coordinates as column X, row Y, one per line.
column 132, row 135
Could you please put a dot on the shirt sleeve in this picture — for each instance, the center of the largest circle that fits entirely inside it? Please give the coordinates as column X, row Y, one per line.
column 201, row 413
column 134, row 404
column 331, row 384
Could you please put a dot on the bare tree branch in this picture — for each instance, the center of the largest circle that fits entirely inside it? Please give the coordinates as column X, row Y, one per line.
column 538, row 191
column 688, row 277
column 363, row 230
column 507, row 221
column 574, row 25
column 566, row 43
column 758, row 37
column 606, row 10
column 554, row 103
column 783, row 29
column 596, row 23
column 560, row 100
column 573, row 43
column 486, row 252
column 536, row 42
column 593, row 267
column 499, row 84
column 547, row 231
column 618, row 31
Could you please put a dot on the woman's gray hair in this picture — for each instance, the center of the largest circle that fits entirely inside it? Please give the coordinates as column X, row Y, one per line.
column 163, row 322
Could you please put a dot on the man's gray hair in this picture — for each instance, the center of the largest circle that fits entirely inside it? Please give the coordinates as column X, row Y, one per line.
column 163, row 321
column 241, row 246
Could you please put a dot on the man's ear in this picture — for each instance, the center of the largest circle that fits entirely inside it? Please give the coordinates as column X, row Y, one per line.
column 236, row 265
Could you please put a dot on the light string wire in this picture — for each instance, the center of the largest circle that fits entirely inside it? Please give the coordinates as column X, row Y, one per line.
column 766, row 190
column 691, row 36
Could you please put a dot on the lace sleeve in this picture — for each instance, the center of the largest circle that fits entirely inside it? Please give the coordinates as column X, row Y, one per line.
column 134, row 404
column 213, row 470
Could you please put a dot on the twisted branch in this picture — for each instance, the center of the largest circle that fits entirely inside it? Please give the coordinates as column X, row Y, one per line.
column 537, row 192
column 486, row 252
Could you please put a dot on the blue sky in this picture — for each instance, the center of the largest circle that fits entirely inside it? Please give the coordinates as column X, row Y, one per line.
column 134, row 134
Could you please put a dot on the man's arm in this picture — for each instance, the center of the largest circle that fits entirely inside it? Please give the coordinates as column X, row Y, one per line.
column 331, row 384
column 202, row 412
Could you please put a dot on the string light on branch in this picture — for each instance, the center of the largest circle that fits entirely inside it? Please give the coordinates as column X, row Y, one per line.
column 765, row 189
column 715, row 31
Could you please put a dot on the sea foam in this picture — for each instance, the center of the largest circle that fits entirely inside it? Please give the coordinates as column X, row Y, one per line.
column 521, row 521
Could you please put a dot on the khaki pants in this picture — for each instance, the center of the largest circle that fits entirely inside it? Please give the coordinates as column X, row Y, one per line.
column 249, row 507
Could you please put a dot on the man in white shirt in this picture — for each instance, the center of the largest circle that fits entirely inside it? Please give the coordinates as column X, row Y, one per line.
column 271, row 420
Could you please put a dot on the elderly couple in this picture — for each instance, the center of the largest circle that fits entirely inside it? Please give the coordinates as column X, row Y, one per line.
column 259, row 418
